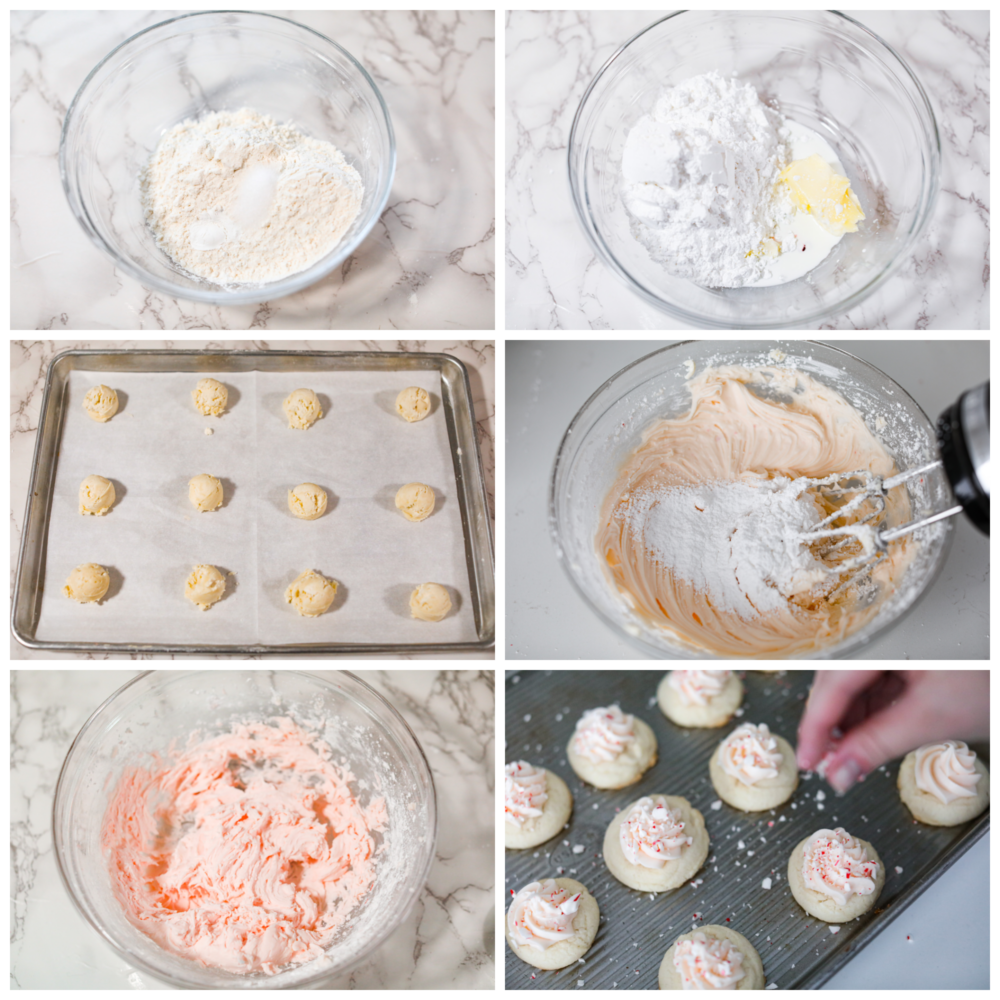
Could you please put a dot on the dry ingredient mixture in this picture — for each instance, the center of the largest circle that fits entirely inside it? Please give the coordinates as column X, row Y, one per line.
column 237, row 199
column 726, row 192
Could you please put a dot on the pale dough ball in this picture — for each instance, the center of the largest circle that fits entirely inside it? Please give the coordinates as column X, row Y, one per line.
column 204, row 586
column 537, row 829
column 753, row 967
column 571, row 950
column 413, row 403
column 415, row 501
column 673, row 873
column 717, row 712
column 205, row 492
column 97, row 495
column 311, row 593
column 932, row 811
column 307, row 501
column 764, row 794
column 302, row 409
column 210, row 397
column 824, row 907
column 87, row 583
column 430, row 602
column 626, row 769
column 100, row 403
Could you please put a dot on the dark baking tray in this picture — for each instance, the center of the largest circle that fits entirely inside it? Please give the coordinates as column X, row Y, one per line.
column 636, row 928
column 456, row 398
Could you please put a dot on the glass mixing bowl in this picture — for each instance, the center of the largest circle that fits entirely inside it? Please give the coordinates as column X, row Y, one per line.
column 142, row 718
column 190, row 66
column 819, row 68
column 610, row 425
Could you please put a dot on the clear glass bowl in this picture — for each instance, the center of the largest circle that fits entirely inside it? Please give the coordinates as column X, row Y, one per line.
column 823, row 70
column 143, row 717
column 190, row 66
column 610, row 424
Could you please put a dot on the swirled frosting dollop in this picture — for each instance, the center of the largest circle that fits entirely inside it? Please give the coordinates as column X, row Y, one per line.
column 946, row 770
column 708, row 963
column 750, row 754
column 524, row 792
column 542, row 914
column 836, row 864
column 651, row 835
column 698, row 687
column 603, row 733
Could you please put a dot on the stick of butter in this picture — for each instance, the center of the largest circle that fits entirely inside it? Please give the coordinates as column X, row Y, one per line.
column 824, row 194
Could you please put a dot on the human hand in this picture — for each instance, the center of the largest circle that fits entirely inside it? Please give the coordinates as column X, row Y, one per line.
column 863, row 718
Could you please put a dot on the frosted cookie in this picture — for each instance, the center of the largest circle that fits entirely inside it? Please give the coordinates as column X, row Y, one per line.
column 210, row 397
column 204, row 586
column 205, row 492
column 100, row 403
column 834, row 876
column 944, row 784
column 302, row 409
column 656, row 844
column 307, row 501
column 415, row 501
column 701, row 699
column 87, row 584
column 311, row 593
column 413, row 404
column 97, row 495
column 610, row 749
column 712, row 958
column 552, row 923
column 536, row 805
column 753, row 770
column 429, row 602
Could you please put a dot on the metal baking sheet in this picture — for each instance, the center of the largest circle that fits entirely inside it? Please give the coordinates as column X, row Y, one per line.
column 636, row 929
column 468, row 539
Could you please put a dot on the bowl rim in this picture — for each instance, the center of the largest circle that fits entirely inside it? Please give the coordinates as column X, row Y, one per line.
column 848, row 646
column 220, row 295
column 928, row 199
column 250, row 982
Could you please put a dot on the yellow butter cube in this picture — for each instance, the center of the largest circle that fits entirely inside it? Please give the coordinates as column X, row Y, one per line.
column 827, row 196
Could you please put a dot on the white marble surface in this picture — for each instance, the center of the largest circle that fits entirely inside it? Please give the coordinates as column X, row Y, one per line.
column 555, row 282
column 445, row 943
column 29, row 365
column 427, row 264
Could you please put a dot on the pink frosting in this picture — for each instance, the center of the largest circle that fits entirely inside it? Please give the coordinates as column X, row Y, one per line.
column 603, row 733
column 947, row 771
column 542, row 915
column 651, row 835
column 698, row 687
column 708, row 963
column 525, row 792
column 836, row 864
column 750, row 754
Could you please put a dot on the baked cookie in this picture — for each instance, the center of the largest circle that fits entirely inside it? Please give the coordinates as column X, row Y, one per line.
column 536, row 805
column 834, row 876
column 610, row 749
column 656, row 844
column 700, row 699
column 552, row 923
column 944, row 784
column 753, row 769
column 712, row 958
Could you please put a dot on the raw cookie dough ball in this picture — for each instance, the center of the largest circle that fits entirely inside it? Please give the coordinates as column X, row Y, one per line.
column 97, row 495
column 204, row 586
column 562, row 909
column 712, row 958
column 307, row 501
column 100, row 403
column 413, row 403
column 944, row 784
column 205, row 492
column 415, row 501
column 430, row 602
column 537, row 804
column 834, row 876
column 302, row 409
column 87, row 583
column 610, row 749
column 753, row 769
column 311, row 593
column 700, row 699
column 656, row 843
column 210, row 397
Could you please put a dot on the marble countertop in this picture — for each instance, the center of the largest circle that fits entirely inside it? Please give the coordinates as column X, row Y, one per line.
column 555, row 282
column 427, row 264
column 30, row 362
column 447, row 941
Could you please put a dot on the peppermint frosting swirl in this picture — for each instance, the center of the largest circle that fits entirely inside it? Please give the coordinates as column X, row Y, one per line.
column 698, row 687
column 836, row 864
column 946, row 770
column 708, row 963
column 750, row 754
column 542, row 914
column 651, row 835
column 524, row 792
column 602, row 734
